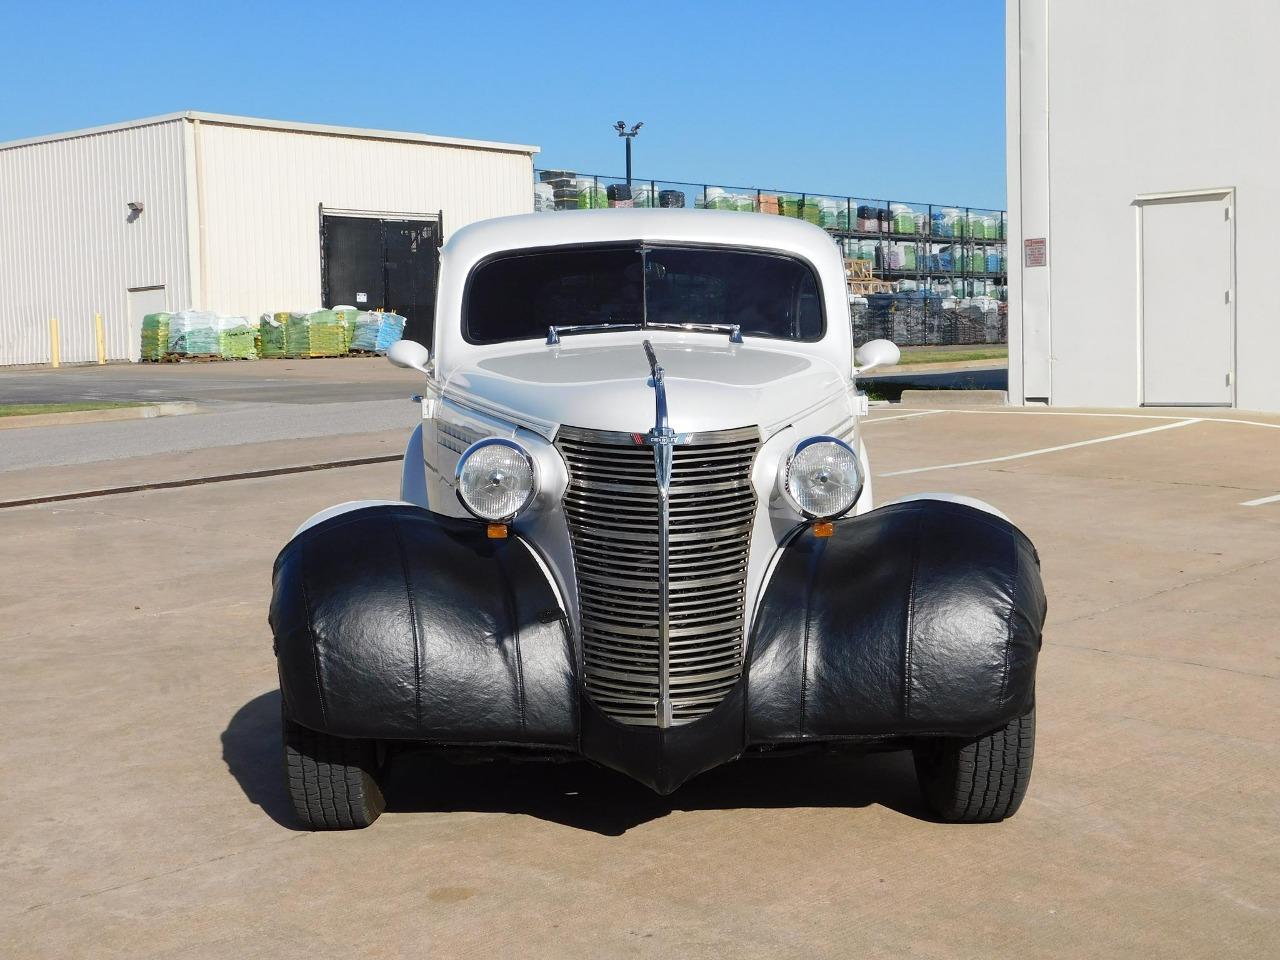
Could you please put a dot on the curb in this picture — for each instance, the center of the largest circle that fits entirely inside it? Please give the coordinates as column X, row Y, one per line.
column 936, row 399
column 178, row 409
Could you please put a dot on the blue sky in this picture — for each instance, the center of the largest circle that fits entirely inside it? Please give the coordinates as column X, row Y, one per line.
column 882, row 99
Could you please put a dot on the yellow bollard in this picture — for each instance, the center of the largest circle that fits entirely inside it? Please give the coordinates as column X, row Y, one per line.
column 102, row 339
column 55, row 348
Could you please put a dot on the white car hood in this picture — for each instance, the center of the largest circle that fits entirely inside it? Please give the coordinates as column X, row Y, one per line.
column 608, row 387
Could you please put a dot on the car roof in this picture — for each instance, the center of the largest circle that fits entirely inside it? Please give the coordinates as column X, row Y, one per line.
column 473, row 243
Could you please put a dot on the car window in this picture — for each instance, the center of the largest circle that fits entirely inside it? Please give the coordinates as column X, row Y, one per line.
column 764, row 294
column 519, row 296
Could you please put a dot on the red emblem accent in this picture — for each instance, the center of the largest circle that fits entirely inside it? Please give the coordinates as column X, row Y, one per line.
column 638, row 438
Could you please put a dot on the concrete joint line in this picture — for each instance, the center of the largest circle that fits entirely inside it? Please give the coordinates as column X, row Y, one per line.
column 199, row 481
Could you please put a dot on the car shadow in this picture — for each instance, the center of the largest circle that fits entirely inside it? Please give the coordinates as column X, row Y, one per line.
column 251, row 749
column 579, row 794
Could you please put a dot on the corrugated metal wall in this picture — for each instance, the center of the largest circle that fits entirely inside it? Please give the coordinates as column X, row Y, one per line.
column 67, row 248
column 262, row 190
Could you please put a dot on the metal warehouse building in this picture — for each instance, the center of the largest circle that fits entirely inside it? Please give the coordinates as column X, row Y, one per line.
column 234, row 215
column 1143, row 202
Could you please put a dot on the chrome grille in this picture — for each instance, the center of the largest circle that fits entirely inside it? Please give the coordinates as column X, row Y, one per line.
column 614, row 514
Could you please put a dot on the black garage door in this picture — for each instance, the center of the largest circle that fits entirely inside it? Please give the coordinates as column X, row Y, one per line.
column 374, row 263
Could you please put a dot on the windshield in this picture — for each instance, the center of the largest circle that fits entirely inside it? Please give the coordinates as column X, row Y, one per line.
column 519, row 296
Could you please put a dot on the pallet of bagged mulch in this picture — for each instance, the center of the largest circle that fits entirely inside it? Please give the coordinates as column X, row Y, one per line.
column 318, row 333
column 375, row 331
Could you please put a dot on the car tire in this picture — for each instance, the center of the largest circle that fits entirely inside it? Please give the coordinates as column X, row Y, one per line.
column 332, row 781
column 980, row 780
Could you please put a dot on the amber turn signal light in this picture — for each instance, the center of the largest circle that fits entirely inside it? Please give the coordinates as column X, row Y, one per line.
column 497, row 531
column 824, row 528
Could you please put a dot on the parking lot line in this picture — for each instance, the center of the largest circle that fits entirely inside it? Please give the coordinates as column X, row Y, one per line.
column 1261, row 500
column 901, row 416
column 1042, row 450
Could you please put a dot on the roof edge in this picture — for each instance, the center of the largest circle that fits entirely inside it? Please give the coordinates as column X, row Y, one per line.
column 285, row 125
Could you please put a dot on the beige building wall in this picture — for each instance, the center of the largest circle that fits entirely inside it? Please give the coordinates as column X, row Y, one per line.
column 230, row 219
column 70, row 248
column 261, row 191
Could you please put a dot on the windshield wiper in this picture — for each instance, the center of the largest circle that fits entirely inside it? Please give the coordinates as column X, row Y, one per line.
column 553, row 332
column 732, row 329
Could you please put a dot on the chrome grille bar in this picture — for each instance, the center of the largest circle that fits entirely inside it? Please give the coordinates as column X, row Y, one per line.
column 661, row 580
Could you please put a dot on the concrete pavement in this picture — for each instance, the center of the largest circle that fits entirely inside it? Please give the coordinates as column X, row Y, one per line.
column 145, row 818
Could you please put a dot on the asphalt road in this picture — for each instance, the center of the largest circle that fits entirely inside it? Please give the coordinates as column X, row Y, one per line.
column 318, row 381
column 346, row 379
column 223, row 425
column 144, row 813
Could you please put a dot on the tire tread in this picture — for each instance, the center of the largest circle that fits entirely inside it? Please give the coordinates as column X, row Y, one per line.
column 332, row 781
column 982, row 780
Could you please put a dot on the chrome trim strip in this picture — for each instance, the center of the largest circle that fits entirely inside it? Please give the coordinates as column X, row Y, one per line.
column 663, row 438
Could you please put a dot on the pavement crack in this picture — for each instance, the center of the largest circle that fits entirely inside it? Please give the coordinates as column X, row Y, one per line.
column 160, row 875
column 1203, row 484
column 1270, row 744
column 1167, row 590
column 1177, row 660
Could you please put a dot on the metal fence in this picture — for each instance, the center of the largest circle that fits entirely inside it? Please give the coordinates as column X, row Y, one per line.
column 919, row 273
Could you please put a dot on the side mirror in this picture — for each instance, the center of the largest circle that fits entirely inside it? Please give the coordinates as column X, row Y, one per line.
column 875, row 353
column 409, row 354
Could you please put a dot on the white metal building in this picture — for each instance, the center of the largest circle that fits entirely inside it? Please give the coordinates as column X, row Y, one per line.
column 230, row 214
column 1144, row 193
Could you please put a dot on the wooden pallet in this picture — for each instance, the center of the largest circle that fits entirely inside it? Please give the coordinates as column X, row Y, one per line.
column 180, row 357
column 860, row 288
column 862, row 281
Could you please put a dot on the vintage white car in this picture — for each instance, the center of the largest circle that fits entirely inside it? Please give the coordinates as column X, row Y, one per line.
column 636, row 526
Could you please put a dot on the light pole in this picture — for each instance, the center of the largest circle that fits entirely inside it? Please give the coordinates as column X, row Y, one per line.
column 628, row 136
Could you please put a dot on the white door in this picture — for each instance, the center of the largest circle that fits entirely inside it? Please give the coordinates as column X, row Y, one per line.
column 1188, row 353
column 143, row 300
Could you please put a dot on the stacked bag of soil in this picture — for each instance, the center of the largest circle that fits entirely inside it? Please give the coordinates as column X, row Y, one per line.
column 193, row 333
column 155, row 336
column 237, row 338
column 271, row 335
column 318, row 333
column 375, row 331
column 564, row 188
column 347, row 316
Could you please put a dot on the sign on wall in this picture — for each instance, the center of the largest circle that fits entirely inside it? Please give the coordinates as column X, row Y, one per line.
column 1035, row 252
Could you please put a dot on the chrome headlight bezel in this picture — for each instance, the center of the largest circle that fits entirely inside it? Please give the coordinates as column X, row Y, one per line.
column 524, row 455
column 786, row 478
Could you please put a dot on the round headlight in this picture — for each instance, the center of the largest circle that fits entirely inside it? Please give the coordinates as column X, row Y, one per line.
column 823, row 478
column 495, row 479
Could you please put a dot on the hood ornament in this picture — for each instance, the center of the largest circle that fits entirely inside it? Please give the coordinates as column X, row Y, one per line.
column 661, row 435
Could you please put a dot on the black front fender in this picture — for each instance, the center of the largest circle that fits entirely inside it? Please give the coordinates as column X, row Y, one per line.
column 394, row 622
column 916, row 618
